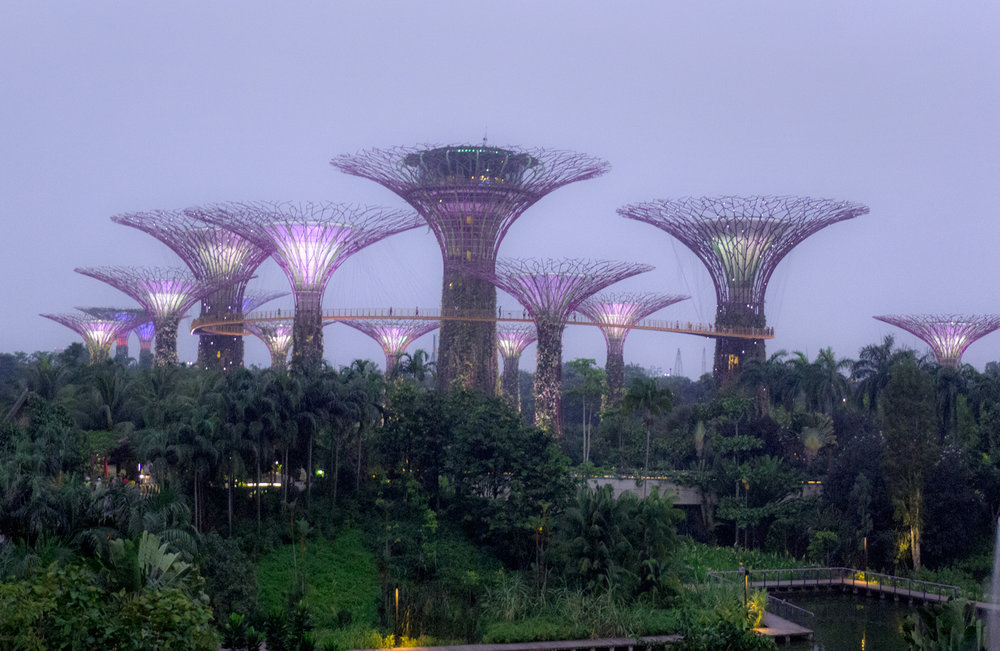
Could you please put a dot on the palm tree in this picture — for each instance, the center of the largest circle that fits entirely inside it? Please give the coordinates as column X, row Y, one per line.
column 768, row 380
column 829, row 385
column 645, row 398
column 871, row 370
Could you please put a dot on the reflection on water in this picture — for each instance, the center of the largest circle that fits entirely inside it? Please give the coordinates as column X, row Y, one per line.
column 845, row 622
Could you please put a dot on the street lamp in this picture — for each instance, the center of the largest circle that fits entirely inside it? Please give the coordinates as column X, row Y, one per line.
column 746, row 582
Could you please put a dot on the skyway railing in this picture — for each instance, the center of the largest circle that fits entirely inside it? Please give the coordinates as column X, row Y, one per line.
column 233, row 324
column 797, row 578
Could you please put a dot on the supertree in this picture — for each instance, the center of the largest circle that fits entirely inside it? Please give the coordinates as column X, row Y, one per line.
column 98, row 333
column 251, row 301
column 309, row 242
column 393, row 335
column 550, row 290
column 145, row 331
column 948, row 335
column 165, row 293
column 470, row 195
column 212, row 253
column 616, row 313
column 128, row 316
column 511, row 342
column 741, row 240
column 277, row 336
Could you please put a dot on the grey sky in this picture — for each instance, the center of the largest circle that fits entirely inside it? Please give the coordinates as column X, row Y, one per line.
column 114, row 107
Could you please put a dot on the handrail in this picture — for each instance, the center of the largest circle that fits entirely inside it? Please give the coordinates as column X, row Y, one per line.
column 804, row 576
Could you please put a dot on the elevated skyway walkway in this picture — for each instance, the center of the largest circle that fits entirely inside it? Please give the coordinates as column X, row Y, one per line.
column 233, row 324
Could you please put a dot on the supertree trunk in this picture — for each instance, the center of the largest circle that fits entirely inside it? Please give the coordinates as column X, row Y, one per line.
column 220, row 352
column 145, row 358
column 166, row 342
column 467, row 349
column 121, row 353
column 614, row 371
column 279, row 361
column 548, row 377
column 731, row 354
column 307, row 333
column 510, row 386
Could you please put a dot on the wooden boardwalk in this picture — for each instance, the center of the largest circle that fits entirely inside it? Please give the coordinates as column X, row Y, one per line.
column 608, row 644
column 782, row 629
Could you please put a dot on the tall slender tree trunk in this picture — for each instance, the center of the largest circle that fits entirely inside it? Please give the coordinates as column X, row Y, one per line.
column 309, row 476
column 357, row 484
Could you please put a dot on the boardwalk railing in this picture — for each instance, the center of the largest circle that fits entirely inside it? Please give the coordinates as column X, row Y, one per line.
column 798, row 578
column 790, row 611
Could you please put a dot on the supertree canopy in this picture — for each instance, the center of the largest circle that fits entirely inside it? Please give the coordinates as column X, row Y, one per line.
column 128, row 316
column 616, row 314
column 145, row 332
column 251, row 301
column 277, row 336
column 212, row 253
column 165, row 293
column 309, row 242
column 470, row 196
column 511, row 342
column 98, row 333
column 393, row 335
column 741, row 240
column 550, row 290
column 948, row 335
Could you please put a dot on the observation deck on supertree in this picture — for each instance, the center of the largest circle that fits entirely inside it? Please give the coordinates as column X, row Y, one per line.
column 948, row 335
column 392, row 335
column 98, row 333
column 550, row 290
column 617, row 313
column 211, row 253
column 470, row 195
column 277, row 336
column 511, row 342
column 145, row 332
column 165, row 293
column 128, row 316
column 309, row 241
column 741, row 240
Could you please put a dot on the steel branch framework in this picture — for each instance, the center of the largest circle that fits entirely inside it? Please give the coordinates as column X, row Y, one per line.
column 309, row 242
column 550, row 290
column 741, row 240
column 392, row 335
column 948, row 335
column 469, row 195
column 254, row 300
column 617, row 312
column 165, row 293
column 211, row 253
column 277, row 336
column 128, row 316
column 98, row 333
column 511, row 342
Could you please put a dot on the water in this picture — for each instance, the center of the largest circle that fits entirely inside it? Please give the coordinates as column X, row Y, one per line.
column 993, row 617
column 845, row 622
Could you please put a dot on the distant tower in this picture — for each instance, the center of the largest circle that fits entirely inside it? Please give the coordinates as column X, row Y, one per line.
column 470, row 195
column 166, row 294
column 393, row 335
column 309, row 242
column 678, row 364
column 128, row 316
column 213, row 254
column 948, row 335
column 617, row 313
column 277, row 336
column 550, row 290
column 741, row 240
column 98, row 334
column 511, row 341
column 145, row 332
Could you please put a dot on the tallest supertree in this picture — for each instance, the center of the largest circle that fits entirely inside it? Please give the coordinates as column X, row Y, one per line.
column 470, row 195
column 741, row 240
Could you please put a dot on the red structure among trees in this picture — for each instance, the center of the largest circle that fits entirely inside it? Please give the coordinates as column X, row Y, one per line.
column 212, row 254
column 393, row 335
column 165, row 293
column 98, row 333
column 511, row 342
column 550, row 290
column 309, row 241
column 616, row 314
column 741, row 240
column 948, row 335
column 470, row 195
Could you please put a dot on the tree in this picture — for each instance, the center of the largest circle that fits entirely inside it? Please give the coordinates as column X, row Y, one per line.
column 645, row 398
column 589, row 387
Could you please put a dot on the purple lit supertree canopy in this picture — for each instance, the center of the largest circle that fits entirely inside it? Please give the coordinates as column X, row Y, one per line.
column 511, row 342
column 128, row 316
column 550, row 290
column 212, row 253
column 393, row 335
column 165, row 293
column 948, row 335
column 470, row 195
column 741, row 240
column 277, row 336
column 616, row 314
column 145, row 332
column 309, row 241
column 251, row 301
column 98, row 333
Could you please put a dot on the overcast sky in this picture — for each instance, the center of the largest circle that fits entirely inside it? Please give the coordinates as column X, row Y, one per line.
column 113, row 107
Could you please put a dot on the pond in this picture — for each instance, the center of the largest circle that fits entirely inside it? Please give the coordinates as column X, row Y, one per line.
column 845, row 622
